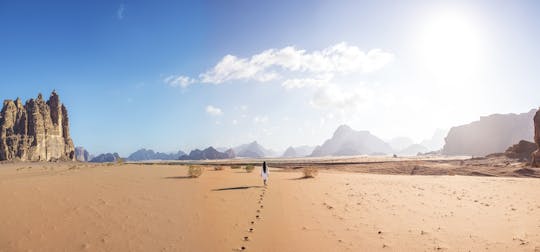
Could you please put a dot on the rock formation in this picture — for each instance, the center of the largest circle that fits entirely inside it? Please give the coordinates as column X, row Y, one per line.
column 289, row 152
column 298, row 151
column 413, row 150
column 144, row 154
column 208, row 153
column 81, row 154
column 535, row 160
column 521, row 150
column 253, row 150
column 104, row 158
column 37, row 131
column 349, row 142
column 491, row 134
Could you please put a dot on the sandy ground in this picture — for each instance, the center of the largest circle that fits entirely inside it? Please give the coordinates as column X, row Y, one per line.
column 85, row 207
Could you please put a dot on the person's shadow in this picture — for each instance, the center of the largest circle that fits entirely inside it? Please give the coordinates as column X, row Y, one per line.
column 236, row 188
column 178, row 177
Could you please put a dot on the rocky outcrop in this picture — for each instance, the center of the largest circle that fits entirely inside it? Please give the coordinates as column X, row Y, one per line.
column 144, row 154
column 413, row 150
column 81, row 154
column 290, row 152
column 298, row 151
column 208, row 153
column 521, row 150
column 253, row 150
column 107, row 157
column 35, row 131
column 349, row 142
column 491, row 134
column 535, row 158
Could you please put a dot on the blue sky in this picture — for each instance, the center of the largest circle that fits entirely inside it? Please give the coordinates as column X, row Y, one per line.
column 172, row 75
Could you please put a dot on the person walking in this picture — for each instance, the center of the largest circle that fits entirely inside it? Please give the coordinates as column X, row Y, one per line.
column 264, row 172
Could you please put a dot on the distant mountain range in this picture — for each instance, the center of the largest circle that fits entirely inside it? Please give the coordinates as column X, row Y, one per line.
column 349, row 142
column 253, row 150
column 491, row 134
column 299, row 151
column 144, row 154
column 208, row 153
column 107, row 157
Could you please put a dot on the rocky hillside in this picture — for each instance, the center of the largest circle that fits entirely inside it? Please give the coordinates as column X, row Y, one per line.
column 253, row 150
column 299, row 151
column 144, row 154
column 349, row 142
column 82, row 154
column 491, row 134
column 104, row 158
column 35, row 131
column 208, row 153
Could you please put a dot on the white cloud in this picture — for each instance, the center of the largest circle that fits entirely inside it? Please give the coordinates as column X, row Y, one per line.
column 296, row 66
column 318, row 81
column 260, row 119
column 120, row 12
column 211, row 110
column 178, row 81
column 332, row 96
column 234, row 122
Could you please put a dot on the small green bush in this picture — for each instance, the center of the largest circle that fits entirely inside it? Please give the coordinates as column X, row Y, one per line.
column 249, row 168
column 195, row 171
column 236, row 166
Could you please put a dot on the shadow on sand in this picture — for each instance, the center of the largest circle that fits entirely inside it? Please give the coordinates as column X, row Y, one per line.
column 300, row 178
column 178, row 177
column 236, row 188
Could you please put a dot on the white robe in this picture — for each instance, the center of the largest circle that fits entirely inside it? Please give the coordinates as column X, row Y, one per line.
column 264, row 175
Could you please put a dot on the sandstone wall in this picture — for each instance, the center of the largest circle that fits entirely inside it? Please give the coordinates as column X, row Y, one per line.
column 37, row 131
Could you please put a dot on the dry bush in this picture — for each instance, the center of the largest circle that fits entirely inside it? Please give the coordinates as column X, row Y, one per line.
column 195, row 171
column 120, row 161
column 219, row 168
column 73, row 167
column 310, row 172
column 249, row 168
column 236, row 166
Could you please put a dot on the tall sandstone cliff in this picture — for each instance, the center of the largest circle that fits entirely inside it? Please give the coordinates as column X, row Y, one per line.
column 536, row 154
column 37, row 131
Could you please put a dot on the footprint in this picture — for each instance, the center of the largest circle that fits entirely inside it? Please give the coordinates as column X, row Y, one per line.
column 257, row 216
column 262, row 206
column 246, row 238
column 258, row 211
column 243, row 248
column 252, row 222
column 251, row 230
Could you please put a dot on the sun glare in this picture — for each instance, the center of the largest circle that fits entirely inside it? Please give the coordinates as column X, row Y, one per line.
column 450, row 46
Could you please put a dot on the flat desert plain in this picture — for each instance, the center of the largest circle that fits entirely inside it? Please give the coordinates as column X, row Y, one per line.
column 136, row 207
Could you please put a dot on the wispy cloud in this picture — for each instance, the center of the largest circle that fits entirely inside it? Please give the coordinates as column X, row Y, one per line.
column 296, row 67
column 214, row 111
column 178, row 81
column 120, row 12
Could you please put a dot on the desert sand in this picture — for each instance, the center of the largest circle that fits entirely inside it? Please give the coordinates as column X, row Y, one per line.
column 136, row 207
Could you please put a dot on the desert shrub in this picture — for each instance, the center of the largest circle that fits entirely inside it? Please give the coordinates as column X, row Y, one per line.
column 195, row 171
column 219, row 168
column 249, row 168
column 236, row 166
column 310, row 172
column 120, row 161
